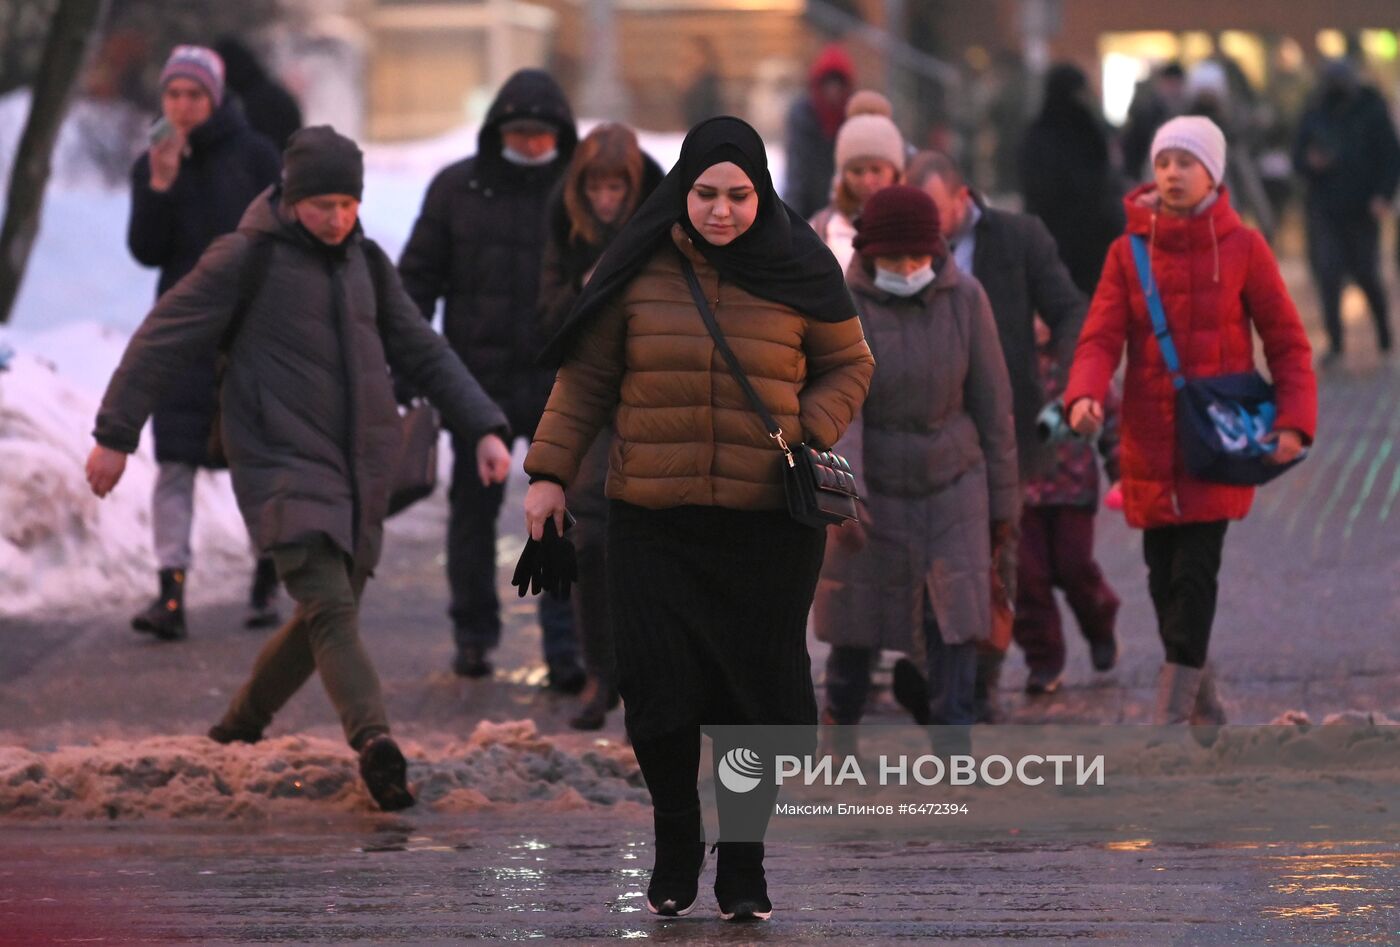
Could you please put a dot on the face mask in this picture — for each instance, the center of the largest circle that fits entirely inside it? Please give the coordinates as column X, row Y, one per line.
column 525, row 161
column 915, row 282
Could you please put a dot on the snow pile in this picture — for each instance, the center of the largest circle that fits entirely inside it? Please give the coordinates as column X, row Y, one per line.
column 190, row 777
column 61, row 547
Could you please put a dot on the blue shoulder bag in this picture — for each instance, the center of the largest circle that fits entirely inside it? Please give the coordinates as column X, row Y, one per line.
column 1220, row 421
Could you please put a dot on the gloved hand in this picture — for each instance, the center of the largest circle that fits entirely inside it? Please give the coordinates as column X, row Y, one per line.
column 1005, row 542
column 547, row 565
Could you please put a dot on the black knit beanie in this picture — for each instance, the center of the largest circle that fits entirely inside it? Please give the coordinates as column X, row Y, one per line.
column 318, row 160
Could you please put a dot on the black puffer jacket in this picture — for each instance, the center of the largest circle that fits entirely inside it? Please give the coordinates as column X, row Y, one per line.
column 1068, row 179
column 478, row 244
column 228, row 165
column 310, row 425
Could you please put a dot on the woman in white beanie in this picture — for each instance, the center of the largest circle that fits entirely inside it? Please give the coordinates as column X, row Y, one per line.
column 1217, row 281
column 869, row 156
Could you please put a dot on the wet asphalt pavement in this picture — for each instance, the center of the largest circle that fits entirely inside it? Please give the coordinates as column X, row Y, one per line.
column 383, row 880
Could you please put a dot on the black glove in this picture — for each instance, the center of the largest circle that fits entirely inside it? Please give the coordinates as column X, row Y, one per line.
column 547, row 565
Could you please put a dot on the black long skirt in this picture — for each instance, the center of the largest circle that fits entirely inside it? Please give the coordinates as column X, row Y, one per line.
column 709, row 611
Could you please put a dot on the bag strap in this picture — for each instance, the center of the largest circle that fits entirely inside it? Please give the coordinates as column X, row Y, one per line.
column 250, row 283
column 379, row 266
column 1155, row 311
column 703, row 304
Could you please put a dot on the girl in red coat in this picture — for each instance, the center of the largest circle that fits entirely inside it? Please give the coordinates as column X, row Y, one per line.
column 1217, row 278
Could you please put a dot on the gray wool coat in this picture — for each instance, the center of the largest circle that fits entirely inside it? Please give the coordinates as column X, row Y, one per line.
column 310, row 425
column 934, row 453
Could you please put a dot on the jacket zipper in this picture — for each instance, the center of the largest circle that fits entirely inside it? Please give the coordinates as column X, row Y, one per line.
column 340, row 318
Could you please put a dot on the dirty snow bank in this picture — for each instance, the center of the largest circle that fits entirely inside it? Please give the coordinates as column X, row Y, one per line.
column 189, row 777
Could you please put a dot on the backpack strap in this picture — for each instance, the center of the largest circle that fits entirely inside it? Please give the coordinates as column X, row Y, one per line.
column 380, row 267
column 250, row 283
column 1142, row 259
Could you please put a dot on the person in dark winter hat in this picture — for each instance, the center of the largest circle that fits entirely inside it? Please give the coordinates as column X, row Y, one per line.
column 934, row 453
column 710, row 579
column 478, row 245
column 268, row 106
column 320, row 161
column 309, row 423
column 203, row 168
column 607, row 180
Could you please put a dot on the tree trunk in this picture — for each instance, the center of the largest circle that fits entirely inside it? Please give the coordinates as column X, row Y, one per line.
column 74, row 26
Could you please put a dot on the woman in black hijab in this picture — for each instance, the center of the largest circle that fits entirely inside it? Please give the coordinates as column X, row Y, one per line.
column 709, row 579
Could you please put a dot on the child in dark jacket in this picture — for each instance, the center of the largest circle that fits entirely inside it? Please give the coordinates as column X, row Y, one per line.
column 1057, row 544
column 1219, row 282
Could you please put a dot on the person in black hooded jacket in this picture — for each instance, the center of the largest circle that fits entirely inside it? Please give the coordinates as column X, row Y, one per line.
column 204, row 168
column 269, row 108
column 477, row 245
column 1068, row 178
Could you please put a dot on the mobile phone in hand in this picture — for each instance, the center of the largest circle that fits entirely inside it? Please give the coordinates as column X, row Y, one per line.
column 160, row 131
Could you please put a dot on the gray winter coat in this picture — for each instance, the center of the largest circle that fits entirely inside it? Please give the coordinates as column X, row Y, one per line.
column 310, row 426
column 934, row 452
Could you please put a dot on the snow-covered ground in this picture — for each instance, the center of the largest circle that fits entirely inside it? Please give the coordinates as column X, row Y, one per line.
column 189, row 777
column 83, row 296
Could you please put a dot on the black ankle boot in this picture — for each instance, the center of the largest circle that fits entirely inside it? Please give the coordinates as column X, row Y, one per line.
column 593, row 715
column 165, row 616
column 740, row 887
column 680, row 854
column 385, row 773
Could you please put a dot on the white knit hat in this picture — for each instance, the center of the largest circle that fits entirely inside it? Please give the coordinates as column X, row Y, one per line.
column 1199, row 136
column 869, row 136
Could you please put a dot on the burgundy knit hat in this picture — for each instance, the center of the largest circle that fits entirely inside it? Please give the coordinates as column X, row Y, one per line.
column 899, row 221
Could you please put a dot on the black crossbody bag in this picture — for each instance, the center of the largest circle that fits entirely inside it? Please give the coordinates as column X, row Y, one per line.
column 821, row 490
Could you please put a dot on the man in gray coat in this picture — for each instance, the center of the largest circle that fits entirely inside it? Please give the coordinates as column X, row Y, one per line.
column 310, row 426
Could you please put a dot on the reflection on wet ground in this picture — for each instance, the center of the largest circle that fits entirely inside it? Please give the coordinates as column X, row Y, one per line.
column 391, row 880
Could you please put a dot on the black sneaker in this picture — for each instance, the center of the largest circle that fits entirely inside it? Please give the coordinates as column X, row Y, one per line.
column 385, row 773
column 740, row 886
column 680, row 856
column 1041, row 683
column 471, row 662
column 220, row 733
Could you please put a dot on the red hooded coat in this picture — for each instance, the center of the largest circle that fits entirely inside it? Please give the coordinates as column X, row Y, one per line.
column 1216, row 278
